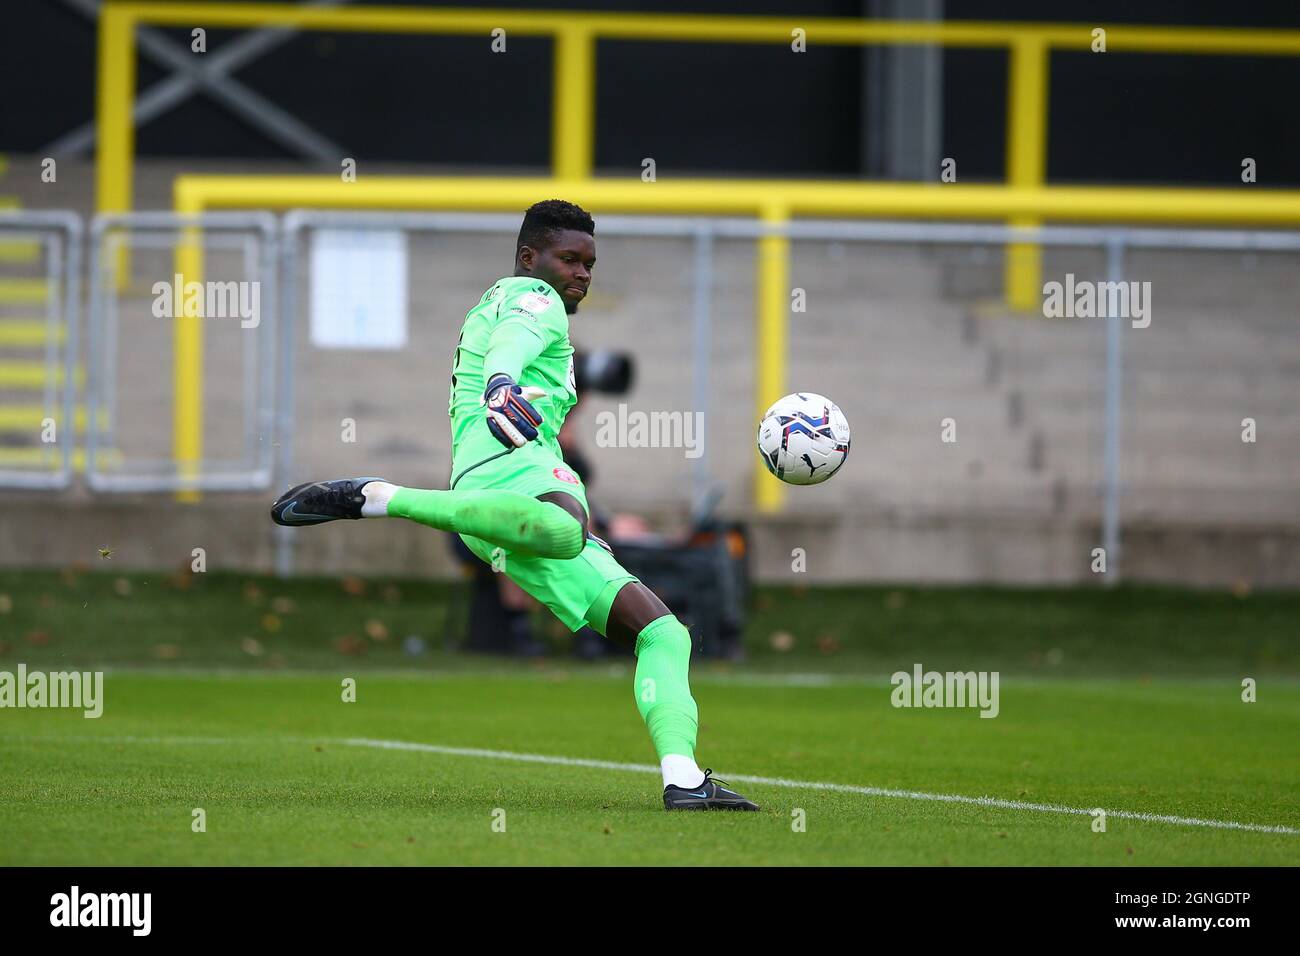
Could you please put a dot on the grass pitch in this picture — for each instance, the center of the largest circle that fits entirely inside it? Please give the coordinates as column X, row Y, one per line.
column 1129, row 702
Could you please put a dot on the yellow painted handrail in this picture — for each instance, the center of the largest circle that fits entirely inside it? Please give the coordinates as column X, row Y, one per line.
column 576, row 33
column 710, row 27
column 1242, row 206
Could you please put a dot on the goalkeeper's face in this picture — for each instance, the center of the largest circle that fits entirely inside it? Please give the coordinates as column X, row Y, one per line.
column 565, row 263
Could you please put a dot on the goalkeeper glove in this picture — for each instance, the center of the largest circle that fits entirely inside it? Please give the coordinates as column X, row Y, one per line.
column 510, row 417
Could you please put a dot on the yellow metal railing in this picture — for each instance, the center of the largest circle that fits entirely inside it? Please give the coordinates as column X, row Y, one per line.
column 576, row 32
column 1024, row 200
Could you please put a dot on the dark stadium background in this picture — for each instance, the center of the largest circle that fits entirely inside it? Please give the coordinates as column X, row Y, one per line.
column 713, row 108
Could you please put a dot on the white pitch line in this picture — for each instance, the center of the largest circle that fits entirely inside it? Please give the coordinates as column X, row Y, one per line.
column 815, row 785
column 997, row 802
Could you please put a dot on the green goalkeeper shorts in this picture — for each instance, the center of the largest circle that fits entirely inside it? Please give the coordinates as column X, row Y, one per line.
column 578, row 590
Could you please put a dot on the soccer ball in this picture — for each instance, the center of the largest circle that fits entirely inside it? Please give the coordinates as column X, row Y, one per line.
column 803, row 438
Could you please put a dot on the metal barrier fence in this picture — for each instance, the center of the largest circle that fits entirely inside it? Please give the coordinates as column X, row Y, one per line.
column 1099, row 252
column 157, row 302
column 38, row 353
column 695, row 283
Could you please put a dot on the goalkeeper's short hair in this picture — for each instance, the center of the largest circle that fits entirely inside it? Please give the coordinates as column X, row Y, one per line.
column 546, row 219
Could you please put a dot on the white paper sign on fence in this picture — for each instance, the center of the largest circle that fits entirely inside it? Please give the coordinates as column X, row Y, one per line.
column 358, row 289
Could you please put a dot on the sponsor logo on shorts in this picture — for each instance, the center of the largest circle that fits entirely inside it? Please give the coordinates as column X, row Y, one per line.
column 565, row 475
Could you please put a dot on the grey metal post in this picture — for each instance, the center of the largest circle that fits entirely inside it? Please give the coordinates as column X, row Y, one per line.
column 55, row 313
column 252, row 271
column 1114, row 382
column 902, row 98
column 282, row 467
column 94, row 345
column 268, row 265
column 71, row 341
column 701, row 301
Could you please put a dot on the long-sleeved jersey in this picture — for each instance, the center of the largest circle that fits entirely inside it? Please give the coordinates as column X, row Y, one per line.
column 520, row 328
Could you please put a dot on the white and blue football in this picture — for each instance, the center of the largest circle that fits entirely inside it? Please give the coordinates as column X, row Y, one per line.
column 803, row 438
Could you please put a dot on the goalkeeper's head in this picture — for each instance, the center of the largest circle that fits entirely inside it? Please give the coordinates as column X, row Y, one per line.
column 557, row 244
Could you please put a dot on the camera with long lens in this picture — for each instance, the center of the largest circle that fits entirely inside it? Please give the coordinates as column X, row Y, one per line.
column 603, row 370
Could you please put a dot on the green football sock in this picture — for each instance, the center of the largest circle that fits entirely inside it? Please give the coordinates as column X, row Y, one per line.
column 508, row 519
column 663, row 693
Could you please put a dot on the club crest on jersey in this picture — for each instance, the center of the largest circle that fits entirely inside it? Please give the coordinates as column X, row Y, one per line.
column 565, row 475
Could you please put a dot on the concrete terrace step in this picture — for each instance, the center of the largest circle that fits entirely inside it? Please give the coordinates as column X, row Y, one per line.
column 34, row 375
column 50, row 458
column 24, row 291
column 29, row 333
column 26, row 419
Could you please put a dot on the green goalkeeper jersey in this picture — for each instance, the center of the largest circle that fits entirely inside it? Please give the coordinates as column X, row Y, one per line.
column 521, row 326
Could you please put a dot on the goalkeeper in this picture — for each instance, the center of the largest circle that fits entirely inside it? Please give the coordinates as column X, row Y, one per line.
column 517, row 506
